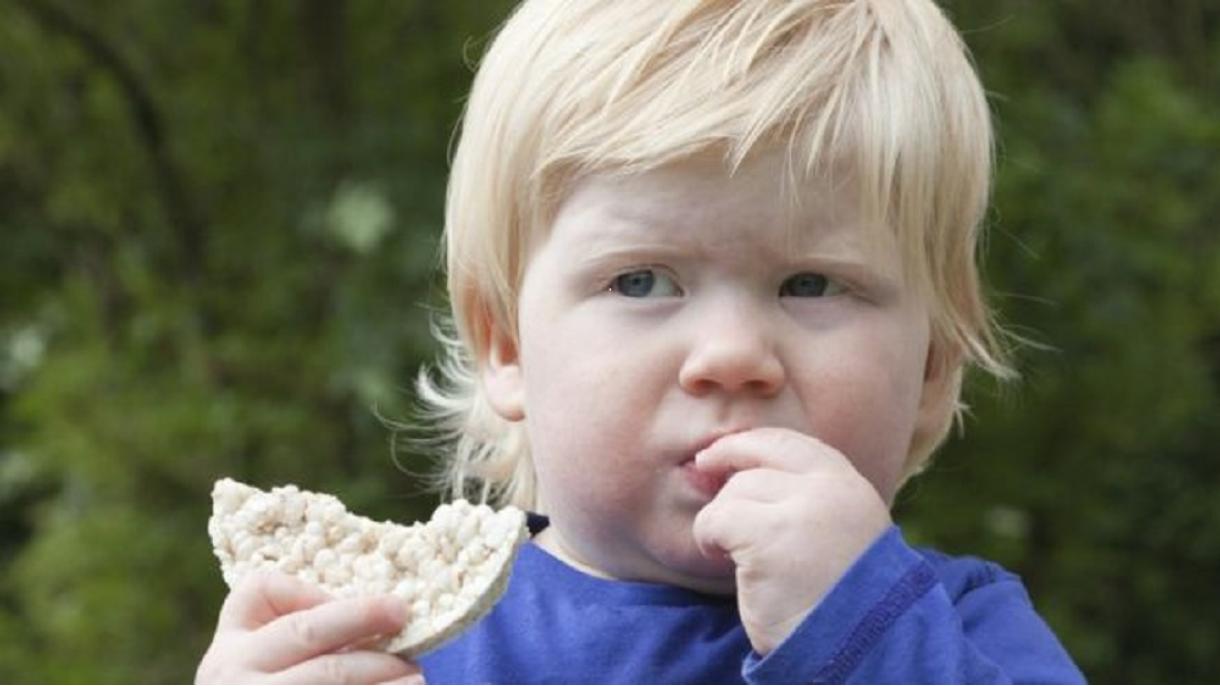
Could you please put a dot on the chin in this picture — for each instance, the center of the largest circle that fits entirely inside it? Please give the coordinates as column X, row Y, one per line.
column 690, row 569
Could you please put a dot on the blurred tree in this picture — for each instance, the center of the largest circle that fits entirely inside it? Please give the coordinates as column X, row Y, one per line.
column 220, row 225
column 1096, row 476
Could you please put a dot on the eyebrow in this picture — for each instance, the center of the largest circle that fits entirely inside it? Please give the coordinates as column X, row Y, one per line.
column 619, row 232
column 858, row 272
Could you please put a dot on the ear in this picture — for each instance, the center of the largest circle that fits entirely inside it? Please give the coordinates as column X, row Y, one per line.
column 942, row 382
column 503, row 381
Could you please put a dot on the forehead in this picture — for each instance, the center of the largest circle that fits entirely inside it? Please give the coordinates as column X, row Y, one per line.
column 700, row 203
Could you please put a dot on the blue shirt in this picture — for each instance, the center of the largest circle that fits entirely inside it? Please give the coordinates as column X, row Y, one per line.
column 898, row 615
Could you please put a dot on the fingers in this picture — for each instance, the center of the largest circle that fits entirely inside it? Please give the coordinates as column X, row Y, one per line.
column 275, row 627
column 265, row 596
column 414, row 678
column 771, row 447
column 725, row 526
column 354, row 667
column 779, row 481
column 762, row 484
column 325, row 628
column 768, row 474
column 739, row 514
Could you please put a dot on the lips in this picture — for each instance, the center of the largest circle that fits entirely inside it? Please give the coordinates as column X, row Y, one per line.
column 706, row 483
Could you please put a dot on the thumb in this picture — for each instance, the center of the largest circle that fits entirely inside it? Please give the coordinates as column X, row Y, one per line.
column 266, row 595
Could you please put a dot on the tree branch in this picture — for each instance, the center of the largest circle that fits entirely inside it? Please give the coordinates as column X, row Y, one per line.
column 150, row 130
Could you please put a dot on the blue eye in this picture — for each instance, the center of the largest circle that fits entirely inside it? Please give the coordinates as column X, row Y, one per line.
column 644, row 283
column 807, row 285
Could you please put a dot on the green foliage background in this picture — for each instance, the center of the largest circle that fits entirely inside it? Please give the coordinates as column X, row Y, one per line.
column 218, row 248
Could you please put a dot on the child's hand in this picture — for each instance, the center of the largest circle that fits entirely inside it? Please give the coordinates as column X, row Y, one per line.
column 793, row 516
column 276, row 629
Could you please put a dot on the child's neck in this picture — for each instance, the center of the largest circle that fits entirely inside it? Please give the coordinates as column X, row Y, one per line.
column 550, row 541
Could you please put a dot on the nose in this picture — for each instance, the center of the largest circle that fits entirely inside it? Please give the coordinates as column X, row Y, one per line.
column 733, row 354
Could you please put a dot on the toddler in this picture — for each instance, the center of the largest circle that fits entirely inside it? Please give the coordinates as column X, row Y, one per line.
column 712, row 271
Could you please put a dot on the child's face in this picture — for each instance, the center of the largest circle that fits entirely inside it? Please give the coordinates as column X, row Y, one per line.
column 670, row 308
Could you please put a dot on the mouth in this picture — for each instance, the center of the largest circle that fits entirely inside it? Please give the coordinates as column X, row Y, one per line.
column 707, row 484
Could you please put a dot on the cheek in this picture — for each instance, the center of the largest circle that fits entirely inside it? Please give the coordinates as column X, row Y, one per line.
column 870, row 415
column 588, row 404
column 579, row 367
column 591, row 470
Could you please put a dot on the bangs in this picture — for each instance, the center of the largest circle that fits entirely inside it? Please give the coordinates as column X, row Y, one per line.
column 875, row 94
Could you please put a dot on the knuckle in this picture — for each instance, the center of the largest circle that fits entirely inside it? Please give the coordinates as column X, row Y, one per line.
column 706, row 522
column 306, row 634
column 334, row 669
column 699, row 526
column 791, row 442
column 260, row 582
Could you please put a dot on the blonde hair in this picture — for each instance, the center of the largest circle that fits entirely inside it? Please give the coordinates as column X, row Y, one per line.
column 574, row 87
